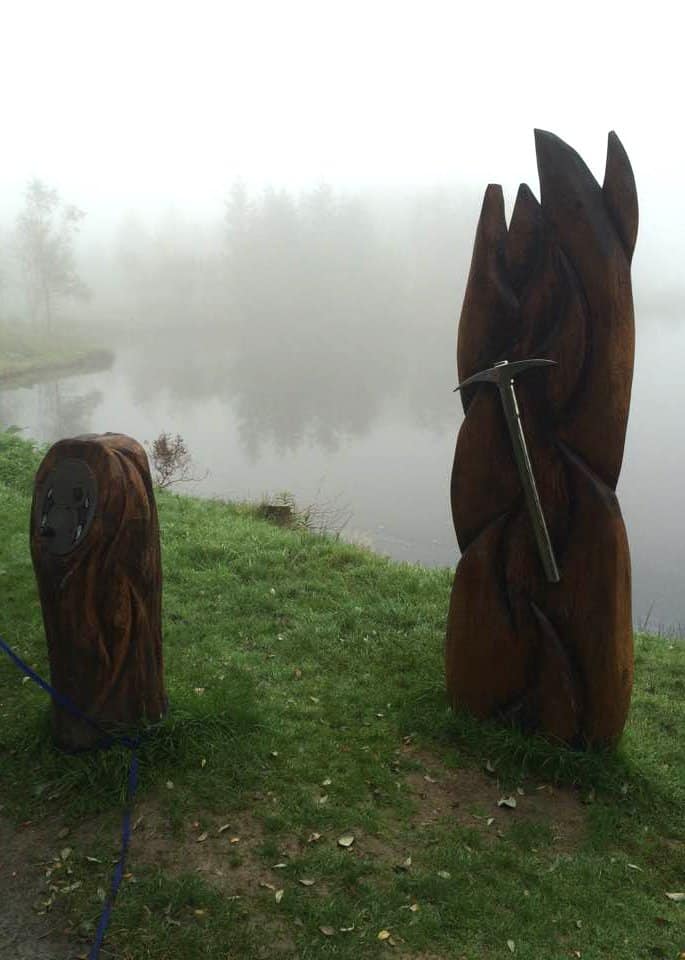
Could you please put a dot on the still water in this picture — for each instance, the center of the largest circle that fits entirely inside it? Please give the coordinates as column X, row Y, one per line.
column 371, row 450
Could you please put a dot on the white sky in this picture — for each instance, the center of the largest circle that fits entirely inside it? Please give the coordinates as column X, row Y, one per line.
column 145, row 104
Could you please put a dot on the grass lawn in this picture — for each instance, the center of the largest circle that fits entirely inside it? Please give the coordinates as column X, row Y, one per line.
column 307, row 707
column 26, row 353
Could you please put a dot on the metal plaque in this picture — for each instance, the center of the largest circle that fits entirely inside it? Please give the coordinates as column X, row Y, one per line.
column 65, row 509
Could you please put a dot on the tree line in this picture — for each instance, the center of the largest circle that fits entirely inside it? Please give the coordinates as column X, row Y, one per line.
column 271, row 261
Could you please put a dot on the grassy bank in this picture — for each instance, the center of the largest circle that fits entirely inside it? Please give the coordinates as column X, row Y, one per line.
column 307, row 706
column 26, row 353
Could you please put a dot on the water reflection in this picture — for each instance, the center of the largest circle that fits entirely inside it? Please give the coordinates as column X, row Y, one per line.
column 370, row 427
column 61, row 411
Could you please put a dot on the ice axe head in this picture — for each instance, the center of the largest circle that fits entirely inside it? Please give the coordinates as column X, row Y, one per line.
column 504, row 372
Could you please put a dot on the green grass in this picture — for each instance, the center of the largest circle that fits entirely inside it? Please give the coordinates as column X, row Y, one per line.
column 320, row 667
column 26, row 351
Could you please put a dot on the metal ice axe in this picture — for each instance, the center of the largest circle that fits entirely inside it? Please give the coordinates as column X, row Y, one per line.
column 502, row 374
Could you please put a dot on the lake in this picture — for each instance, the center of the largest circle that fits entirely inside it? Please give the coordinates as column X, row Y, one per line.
column 367, row 439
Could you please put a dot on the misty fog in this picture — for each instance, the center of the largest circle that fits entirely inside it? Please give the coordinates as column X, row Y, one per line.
column 306, row 341
column 298, row 326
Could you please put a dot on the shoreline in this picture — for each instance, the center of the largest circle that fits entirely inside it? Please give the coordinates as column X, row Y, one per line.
column 26, row 372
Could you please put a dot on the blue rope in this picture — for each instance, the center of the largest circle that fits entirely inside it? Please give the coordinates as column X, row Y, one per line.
column 107, row 741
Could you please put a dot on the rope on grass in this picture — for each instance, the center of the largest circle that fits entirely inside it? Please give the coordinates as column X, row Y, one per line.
column 105, row 743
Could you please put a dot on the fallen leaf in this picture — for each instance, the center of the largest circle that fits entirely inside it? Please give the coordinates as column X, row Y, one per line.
column 278, row 896
column 384, row 935
column 234, row 840
column 224, row 826
column 507, row 802
column 520, row 792
column 490, row 821
column 346, row 840
column 405, row 865
column 93, row 860
column 306, row 881
column 327, row 931
column 203, row 763
column 327, row 782
column 429, row 779
column 66, row 853
column 676, row 897
column 414, row 907
column 64, row 832
column 511, row 945
column 315, row 699
column 313, row 837
column 297, row 673
column 346, row 929
column 202, row 837
column 489, row 766
column 279, row 866
column 199, row 913
column 267, row 886
column 445, row 874
column 169, row 785
column 199, row 690
column 634, row 866
column 322, row 800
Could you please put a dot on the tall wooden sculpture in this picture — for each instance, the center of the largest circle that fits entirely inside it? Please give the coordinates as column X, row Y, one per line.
column 539, row 629
column 96, row 555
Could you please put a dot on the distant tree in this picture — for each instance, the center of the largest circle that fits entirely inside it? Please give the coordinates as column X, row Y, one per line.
column 45, row 233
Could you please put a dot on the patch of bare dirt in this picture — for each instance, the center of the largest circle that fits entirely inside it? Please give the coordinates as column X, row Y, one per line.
column 228, row 853
column 469, row 797
column 25, row 934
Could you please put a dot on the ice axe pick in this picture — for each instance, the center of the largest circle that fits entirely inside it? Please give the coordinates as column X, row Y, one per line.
column 502, row 374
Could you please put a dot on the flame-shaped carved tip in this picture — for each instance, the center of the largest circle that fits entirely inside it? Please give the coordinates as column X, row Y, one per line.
column 620, row 194
column 490, row 308
column 524, row 237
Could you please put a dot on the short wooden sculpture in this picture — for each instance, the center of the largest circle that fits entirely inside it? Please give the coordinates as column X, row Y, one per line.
column 96, row 555
column 551, row 656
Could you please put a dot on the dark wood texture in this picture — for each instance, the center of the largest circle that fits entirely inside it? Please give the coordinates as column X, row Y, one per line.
column 101, row 601
column 552, row 658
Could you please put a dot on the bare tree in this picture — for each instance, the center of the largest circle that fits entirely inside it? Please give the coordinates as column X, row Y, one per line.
column 45, row 247
column 171, row 461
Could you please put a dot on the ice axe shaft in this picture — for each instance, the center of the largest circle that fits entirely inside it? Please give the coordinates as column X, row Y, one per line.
column 502, row 374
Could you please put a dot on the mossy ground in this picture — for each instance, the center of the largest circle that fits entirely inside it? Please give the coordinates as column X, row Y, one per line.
column 306, row 687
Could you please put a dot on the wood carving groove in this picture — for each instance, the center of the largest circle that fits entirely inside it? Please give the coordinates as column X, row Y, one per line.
column 554, row 658
column 96, row 555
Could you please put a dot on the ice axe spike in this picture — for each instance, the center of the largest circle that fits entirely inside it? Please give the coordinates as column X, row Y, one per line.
column 502, row 374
